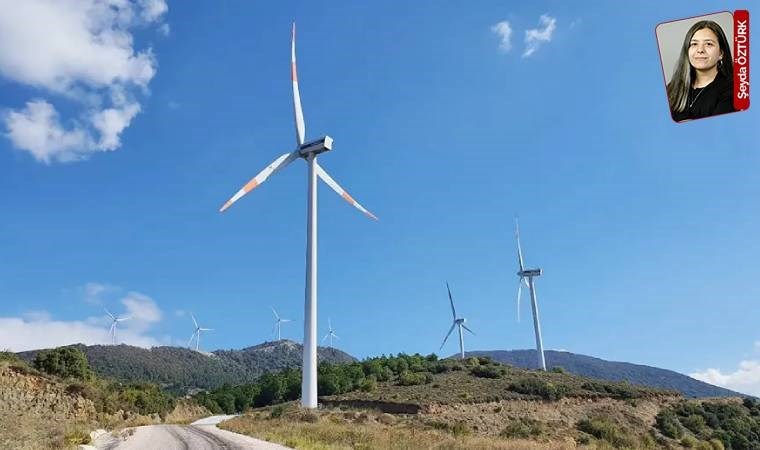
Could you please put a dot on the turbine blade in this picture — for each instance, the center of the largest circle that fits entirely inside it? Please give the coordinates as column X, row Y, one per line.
column 300, row 125
column 465, row 327
column 205, row 329
column 519, row 296
column 275, row 313
column 194, row 321
column 285, row 320
column 519, row 249
column 336, row 187
column 448, row 334
column 191, row 339
column 109, row 313
column 325, row 338
column 336, row 336
column 122, row 319
column 276, row 165
column 453, row 311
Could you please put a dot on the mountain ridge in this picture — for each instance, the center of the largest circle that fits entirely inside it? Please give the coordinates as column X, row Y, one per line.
column 592, row 367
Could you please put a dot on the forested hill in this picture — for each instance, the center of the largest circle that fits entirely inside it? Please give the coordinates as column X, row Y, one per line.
column 180, row 369
column 588, row 366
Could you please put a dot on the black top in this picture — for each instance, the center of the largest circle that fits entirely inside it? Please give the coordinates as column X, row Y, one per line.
column 715, row 98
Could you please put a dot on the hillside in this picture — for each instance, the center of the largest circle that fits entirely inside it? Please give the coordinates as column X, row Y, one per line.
column 588, row 366
column 179, row 369
column 413, row 402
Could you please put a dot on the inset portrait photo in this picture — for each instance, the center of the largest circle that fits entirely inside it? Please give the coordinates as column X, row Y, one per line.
column 697, row 56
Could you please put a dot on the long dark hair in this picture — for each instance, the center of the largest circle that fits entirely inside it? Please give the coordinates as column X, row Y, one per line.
column 683, row 75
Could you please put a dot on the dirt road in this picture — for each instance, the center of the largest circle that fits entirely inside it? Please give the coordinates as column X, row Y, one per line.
column 201, row 435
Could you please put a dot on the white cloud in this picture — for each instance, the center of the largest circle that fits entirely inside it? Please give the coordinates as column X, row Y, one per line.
column 164, row 29
column 504, row 31
column 142, row 309
column 93, row 292
column 536, row 37
column 80, row 51
column 37, row 329
column 31, row 333
column 746, row 378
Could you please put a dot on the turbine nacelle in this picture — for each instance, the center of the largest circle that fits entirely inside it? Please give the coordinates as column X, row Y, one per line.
column 530, row 273
column 316, row 147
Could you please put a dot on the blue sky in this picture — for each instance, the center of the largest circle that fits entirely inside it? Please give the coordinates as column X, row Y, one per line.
column 646, row 229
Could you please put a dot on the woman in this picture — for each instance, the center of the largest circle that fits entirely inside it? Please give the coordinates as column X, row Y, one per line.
column 702, row 83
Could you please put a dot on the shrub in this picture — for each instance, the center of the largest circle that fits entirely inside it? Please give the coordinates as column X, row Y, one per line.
column 369, row 384
column 535, row 386
column 407, row 378
column 276, row 412
column 489, row 371
column 667, row 423
column 523, row 429
column 606, row 430
column 65, row 362
column 558, row 369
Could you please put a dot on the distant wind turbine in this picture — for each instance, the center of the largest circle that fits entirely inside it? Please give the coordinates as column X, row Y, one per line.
column 197, row 333
column 331, row 334
column 115, row 320
column 279, row 323
column 526, row 277
column 309, row 152
column 458, row 322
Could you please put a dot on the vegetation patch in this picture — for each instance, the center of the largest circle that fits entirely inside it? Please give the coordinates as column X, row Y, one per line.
column 607, row 430
column 713, row 424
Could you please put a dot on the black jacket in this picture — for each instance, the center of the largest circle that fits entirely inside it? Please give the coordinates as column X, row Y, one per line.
column 715, row 98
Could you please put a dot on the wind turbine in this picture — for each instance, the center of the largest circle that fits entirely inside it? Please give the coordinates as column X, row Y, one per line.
column 309, row 152
column 115, row 320
column 528, row 274
column 278, row 323
column 457, row 323
column 331, row 334
column 197, row 333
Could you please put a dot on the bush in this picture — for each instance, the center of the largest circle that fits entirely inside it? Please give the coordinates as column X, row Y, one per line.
column 535, row 386
column 606, row 430
column 407, row 378
column 558, row 369
column 489, row 371
column 369, row 384
column 523, row 429
column 667, row 423
column 65, row 362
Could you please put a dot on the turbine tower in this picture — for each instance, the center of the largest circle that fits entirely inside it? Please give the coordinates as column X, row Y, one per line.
column 457, row 323
column 331, row 334
column 114, row 321
column 309, row 152
column 278, row 323
column 526, row 276
column 197, row 333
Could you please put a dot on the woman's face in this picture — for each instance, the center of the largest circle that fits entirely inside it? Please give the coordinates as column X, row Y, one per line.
column 704, row 51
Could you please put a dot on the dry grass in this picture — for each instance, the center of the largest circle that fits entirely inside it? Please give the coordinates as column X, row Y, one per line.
column 335, row 429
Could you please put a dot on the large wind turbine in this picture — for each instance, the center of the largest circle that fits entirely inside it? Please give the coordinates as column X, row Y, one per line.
column 528, row 274
column 309, row 152
column 331, row 334
column 279, row 322
column 114, row 321
column 458, row 322
column 197, row 333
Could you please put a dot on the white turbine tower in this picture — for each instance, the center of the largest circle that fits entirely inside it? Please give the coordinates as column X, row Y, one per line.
column 114, row 321
column 197, row 333
column 331, row 334
column 458, row 322
column 309, row 152
column 279, row 322
column 526, row 276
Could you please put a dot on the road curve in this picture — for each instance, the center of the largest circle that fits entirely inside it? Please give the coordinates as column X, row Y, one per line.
column 202, row 435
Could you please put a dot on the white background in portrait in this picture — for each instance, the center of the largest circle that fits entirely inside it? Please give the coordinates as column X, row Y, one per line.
column 670, row 38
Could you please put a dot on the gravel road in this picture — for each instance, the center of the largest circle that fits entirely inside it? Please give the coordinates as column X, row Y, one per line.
column 201, row 435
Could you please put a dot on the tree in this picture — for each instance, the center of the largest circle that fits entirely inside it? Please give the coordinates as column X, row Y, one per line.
column 65, row 362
